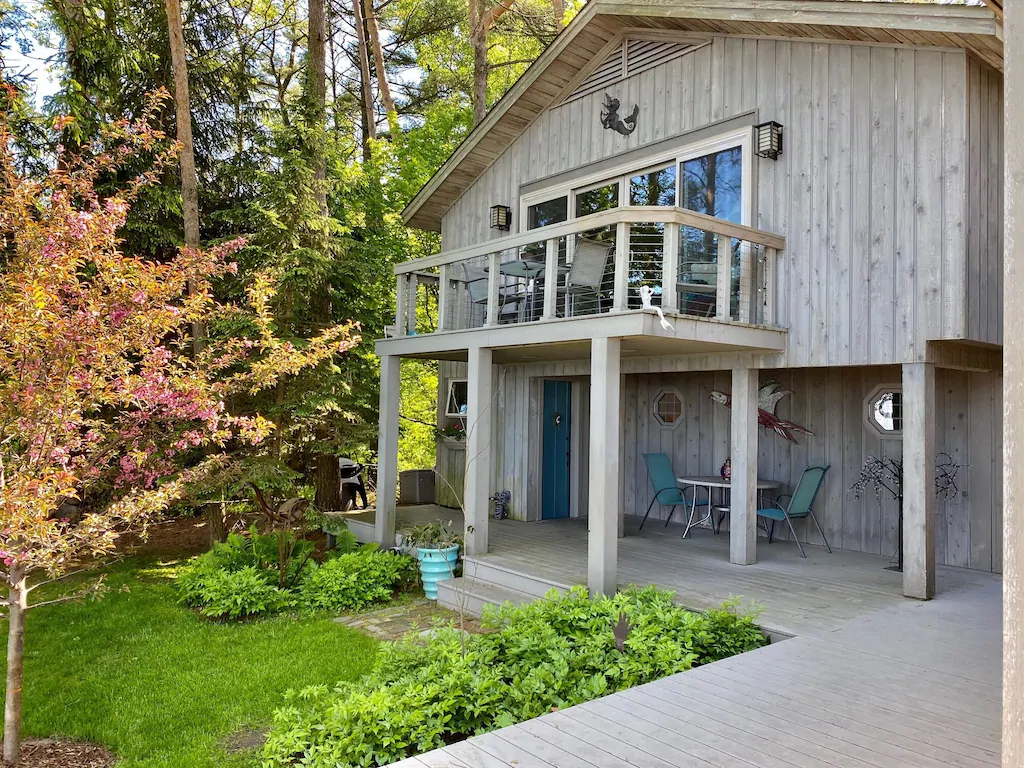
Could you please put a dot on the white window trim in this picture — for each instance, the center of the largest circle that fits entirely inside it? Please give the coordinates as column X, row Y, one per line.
column 448, row 399
column 869, row 415
column 741, row 137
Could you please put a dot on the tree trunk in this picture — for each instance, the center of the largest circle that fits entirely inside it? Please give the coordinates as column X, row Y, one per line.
column 558, row 8
column 373, row 32
column 369, row 114
column 478, row 26
column 16, row 605
column 187, row 158
column 316, row 61
column 327, row 482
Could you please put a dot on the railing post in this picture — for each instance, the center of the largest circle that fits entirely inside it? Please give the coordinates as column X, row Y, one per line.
column 401, row 306
column 493, row 283
column 670, row 268
column 771, row 256
column 620, row 295
column 747, row 292
column 551, row 280
column 442, row 297
column 723, row 303
column 412, row 295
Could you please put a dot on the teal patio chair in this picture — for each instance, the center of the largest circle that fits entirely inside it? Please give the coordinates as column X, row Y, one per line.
column 799, row 506
column 666, row 491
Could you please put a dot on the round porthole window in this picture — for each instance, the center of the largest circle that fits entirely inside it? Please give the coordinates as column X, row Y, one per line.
column 884, row 411
column 668, row 408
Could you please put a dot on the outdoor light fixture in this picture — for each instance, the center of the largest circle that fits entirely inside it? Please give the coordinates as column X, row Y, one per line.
column 501, row 217
column 768, row 137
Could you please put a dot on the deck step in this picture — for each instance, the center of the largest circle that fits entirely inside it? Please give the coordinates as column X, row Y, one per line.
column 472, row 596
column 486, row 571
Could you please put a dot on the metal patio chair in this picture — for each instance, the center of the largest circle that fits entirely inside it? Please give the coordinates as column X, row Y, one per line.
column 799, row 506
column 476, row 287
column 586, row 273
column 666, row 491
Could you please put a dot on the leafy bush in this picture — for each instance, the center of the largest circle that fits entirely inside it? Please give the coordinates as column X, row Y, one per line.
column 280, row 555
column 356, row 580
column 555, row 652
column 219, row 593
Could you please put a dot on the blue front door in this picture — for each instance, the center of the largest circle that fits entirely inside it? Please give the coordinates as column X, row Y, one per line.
column 557, row 443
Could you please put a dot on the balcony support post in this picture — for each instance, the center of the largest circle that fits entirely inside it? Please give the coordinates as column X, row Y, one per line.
column 551, row 280
column 493, row 286
column 743, row 493
column 620, row 296
column 670, row 268
column 919, row 480
column 387, row 450
column 442, row 297
column 723, row 301
column 605, row 482
column 478, row 448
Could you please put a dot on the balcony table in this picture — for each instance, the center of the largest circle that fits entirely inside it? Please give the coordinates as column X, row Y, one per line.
column 529, row 270
column 710, row 482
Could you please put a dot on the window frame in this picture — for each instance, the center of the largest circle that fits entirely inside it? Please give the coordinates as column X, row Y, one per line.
column 869, row 411
column 657, row 400
column 451, row 392
column 741, row 137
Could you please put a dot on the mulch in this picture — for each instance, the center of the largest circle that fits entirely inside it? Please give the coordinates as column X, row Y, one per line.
column 54, row 753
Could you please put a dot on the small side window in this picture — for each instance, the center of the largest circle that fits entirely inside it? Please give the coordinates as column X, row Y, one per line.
column 458, row 395
column 549, row 212
column 884, row 411
column 668, row 408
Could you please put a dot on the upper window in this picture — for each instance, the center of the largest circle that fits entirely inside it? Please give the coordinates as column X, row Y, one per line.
column 458, row 397
column 668, row 408
column 552, row 211
column 654, row 187
column 713, row 184
column 884, row 411
column 599, row 199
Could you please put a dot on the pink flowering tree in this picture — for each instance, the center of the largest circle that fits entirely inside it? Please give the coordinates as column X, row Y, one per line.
column 101, row 392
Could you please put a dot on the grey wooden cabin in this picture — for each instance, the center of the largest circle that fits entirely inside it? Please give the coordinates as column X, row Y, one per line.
column 858, row 265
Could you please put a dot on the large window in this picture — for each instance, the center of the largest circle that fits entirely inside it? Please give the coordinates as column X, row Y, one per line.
column 598, row 199
column 713, row 184
column 552, row 211
column 654, row 187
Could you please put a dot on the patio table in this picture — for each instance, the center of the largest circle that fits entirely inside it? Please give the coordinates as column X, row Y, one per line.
column 529, row 270
column 710, row 482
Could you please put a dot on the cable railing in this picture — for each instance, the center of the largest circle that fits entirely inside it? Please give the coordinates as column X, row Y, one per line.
column 684, row 262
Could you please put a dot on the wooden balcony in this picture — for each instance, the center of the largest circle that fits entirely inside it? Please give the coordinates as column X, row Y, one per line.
column 550, row 290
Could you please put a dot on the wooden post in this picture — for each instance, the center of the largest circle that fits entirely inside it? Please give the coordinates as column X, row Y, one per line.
column 478, row 449
column 748, row 292
column 401, row 305
column 620, row 295
column 603, row 519
column 493, row 287
column 412, row 295
column 766, row 316
column 743, row 485
column 387, row 450
column 919, row 480
column 1013, row 389
column 670, row 268
column 551, row 280
column 723, row 301
column 442, row 297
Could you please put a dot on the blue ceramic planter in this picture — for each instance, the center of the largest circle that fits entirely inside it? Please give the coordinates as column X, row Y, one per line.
column 436, row 565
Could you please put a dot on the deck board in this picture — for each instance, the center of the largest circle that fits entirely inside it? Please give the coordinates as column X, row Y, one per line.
column 868, row 680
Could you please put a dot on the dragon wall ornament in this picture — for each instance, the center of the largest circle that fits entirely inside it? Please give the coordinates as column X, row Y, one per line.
column 768, row 398
column 610, row 117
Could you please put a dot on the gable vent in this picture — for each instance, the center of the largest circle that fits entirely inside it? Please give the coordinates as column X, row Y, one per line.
column 629, row 58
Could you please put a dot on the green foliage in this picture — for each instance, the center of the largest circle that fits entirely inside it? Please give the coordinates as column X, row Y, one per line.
column 163, row 687
column 223, row 594
column 556, row 652
column 435, row 535
column 356, row 580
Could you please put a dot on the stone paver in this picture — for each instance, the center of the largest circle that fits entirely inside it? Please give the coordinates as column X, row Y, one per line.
column 394, row 622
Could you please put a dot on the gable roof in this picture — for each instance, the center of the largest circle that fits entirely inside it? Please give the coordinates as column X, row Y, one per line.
column 593, row 35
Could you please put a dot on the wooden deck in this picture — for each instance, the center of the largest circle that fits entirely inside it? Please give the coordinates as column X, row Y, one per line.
column 870, row 680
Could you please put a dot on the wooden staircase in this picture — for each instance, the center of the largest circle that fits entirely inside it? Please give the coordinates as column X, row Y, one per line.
column 488, row 582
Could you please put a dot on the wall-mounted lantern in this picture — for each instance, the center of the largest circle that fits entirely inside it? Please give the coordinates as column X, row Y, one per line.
column 501, row 217
column 768, row 140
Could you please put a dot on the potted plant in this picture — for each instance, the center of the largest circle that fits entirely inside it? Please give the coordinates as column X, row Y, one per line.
column 437, row 549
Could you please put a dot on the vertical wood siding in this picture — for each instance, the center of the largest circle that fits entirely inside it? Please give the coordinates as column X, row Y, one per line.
column 871, row 191
column 984, row 276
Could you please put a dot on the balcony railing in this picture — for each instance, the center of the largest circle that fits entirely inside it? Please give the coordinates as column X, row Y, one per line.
column 694, row 265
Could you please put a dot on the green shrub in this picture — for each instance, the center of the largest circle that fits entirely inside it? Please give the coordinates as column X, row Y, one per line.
column 219, row 593
column 355, row 580
column 555, row 652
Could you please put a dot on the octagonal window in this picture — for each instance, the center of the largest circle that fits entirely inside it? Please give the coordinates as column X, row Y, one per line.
column 884, row 411
column 668, row 408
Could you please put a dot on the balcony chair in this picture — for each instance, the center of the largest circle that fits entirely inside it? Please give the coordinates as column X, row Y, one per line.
column 586, row 273
column 476, row 287
column 666, row 491
column 799, row 506
column 696, row 302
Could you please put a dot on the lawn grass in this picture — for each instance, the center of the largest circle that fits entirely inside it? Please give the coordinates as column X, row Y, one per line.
column 162, row 687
